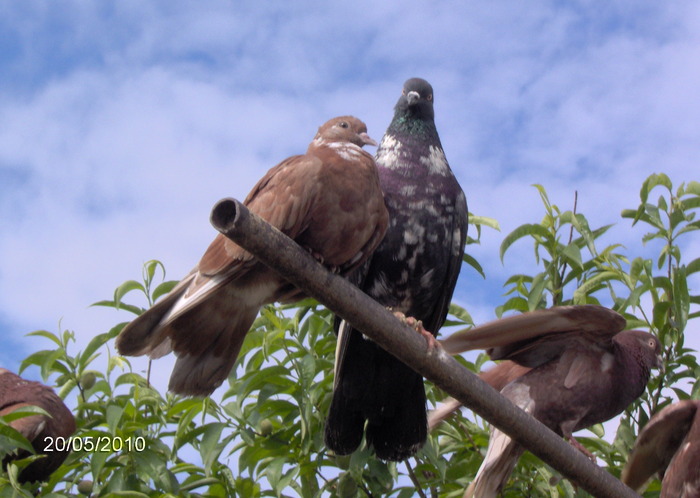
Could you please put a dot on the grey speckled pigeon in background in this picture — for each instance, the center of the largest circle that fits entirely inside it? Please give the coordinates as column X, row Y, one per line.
column 413, row 271
column 670, row 445
column 40, row 430
column 328, row 200
column 585, row 370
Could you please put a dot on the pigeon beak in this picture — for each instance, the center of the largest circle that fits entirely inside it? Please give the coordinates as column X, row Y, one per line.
column 660, row 363
column 367, row 140
column 412, row 97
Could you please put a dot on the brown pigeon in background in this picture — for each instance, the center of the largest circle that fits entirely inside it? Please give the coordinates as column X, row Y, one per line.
column 584, row 370
column 670, row 445
column 40, row 430
column 328, row 200
column 413, row 271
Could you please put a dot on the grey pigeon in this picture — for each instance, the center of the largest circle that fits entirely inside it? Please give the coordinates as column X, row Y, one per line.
column 670, row 445
column 413, row 271
column 328, row 200
column 584, row 370
column 48, row 435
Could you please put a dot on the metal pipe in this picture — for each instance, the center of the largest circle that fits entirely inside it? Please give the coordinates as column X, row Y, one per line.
column 279, row 252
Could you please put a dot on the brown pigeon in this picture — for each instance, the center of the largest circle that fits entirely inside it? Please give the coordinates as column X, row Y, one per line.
column 585, row 370
column 40, row 430
column 328, row 200
column 669, row 444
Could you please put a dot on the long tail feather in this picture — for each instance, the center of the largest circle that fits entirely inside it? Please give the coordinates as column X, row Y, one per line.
column 501, row 456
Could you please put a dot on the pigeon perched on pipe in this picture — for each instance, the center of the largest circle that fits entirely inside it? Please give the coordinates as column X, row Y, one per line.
column 584, row 369
column 328, row 200
column 414, row 272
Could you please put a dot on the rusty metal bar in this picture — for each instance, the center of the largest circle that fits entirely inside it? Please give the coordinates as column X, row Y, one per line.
column 283, row 255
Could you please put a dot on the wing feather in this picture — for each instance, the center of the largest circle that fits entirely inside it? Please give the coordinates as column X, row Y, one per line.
column 537, row 336
column 457, row 242
column 658, row 442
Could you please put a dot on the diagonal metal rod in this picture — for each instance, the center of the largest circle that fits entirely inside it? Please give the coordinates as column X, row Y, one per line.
column 283, row 255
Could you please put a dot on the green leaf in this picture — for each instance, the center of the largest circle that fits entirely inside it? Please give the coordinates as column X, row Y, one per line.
column 136, row 310
column 592, row 284
column 48, row 362
column 273, row 472
column 543, row 195
column 114, row 417
column 688, row 204
column 461, row 313
column 572, row 253
column 210, row 446
column 125, row 288
column 681, row 297
column 95, row 343
column 693, row 188
column 46, row 334
column 471, row 261
column 39, row 358
column 149, row 270
column 528, row 229
column 513, row 304
column 11, row 439
column 598, row 430
column 635, row 214
column 652, row 181
column 484, row 221
column 163, row 289
column 690, row 227
column 128, row 494
column 661, row 314
column 693, row 266
column 535, row 297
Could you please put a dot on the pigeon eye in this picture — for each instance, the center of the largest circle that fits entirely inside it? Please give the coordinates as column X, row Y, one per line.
column 343, row 124
column 429, row 97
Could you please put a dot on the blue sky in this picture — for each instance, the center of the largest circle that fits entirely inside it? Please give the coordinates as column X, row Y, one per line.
column 122, row 123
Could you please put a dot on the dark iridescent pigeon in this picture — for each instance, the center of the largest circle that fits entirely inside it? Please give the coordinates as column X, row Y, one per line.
column 413, row 271
column 40, row 430
column 585, row 370
column 670, row 445
column 328, row 200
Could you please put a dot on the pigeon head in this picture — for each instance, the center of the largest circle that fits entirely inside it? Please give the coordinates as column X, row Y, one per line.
column 343, row 129
column 416, row 99
column 646, row 345
column 645, row 349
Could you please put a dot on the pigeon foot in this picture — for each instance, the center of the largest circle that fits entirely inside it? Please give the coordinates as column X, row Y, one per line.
column 417, row 325
column 582, row 448
column 319, row 257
